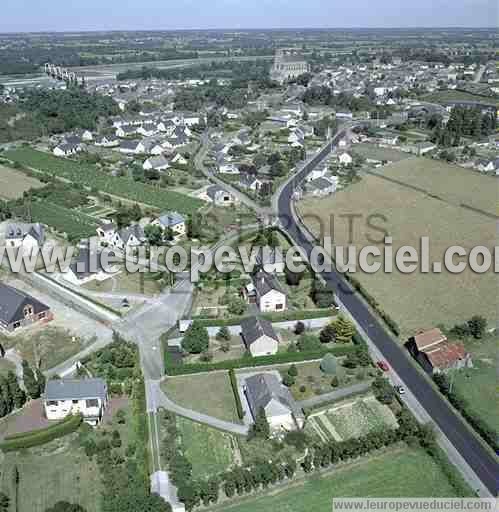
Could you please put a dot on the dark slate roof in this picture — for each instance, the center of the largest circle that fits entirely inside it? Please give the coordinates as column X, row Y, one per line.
column 15, row 231
column 265, row 283
column 129, row 144
column 75, row 389
column 12, row 302
column 253, row 328
column 213, row 190
column 264, row 387
column 135, row 230
column 320, row 184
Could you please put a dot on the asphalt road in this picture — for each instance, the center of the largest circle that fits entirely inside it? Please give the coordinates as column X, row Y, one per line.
column 481, row 461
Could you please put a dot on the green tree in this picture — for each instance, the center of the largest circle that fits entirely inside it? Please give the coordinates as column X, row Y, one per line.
column 477, row 325
column 382, row 390
column 18, row 395
column 4, row 502
column 261, row 426
column 288, row 380
column 154, row 234
column 328, row 333
column 236, row 306
column 30, row 382
column 196, row 339
column 223, row 334
column 293, row 370
column 344, row 329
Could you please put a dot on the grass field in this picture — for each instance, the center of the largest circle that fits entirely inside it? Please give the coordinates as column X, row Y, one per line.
column 377, row 153
column 14, row 183
column 208, row 393
column 444, row 96
column 418, row 300
column 89, row 176
column 479, row 385
column 58, row 471
column 210, row 451
column 404, row 473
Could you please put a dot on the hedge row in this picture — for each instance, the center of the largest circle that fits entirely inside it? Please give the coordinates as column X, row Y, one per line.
column 235, row 390
column 393, row 326
column 285, row 316
column 39, row 437
column 247, row 361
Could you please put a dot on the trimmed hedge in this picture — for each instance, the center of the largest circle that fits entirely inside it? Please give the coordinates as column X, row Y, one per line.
column 286, row 316
column 43, row 436
column 235, row 389
column 247, row 361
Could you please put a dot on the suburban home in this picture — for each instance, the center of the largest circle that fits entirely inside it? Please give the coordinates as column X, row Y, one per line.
column 321, row 187
column 259, row 336
column 266, row 292
column 87, row 397
column 135, row 147
column 67, row 149
column 158, row 163
column 345, row 159
column 318, row 172
column 265, row 391
column 271, row 260
column 26, row 236
column 106, row 233
column 107, row 141
column 436, row 354
column 148, row 129
column 218, row 196
column 132, row 236
column 172, row 220
column 126, row 131
column 250, row 182
column 18, row 309
column 86, row 267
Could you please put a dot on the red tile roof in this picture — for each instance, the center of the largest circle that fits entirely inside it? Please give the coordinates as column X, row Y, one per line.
column 424, row 340
column 445, row 355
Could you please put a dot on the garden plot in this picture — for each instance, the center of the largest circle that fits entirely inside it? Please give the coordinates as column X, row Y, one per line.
column 352, row 418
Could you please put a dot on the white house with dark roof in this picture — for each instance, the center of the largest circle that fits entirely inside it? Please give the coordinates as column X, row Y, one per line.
column 265, row 391
column 18, row 309
column 218, row 196
column 88, row 397
column 266, row 292
column 158, row 163
column 67, row 149
column 86, row 267
column 27, row 236
column 259, row 336
column 172, row 220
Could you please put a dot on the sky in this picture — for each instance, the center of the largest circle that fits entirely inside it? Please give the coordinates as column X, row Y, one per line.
column 73, row 15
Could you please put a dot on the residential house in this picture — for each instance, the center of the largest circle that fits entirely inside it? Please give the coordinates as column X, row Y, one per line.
column 259, row 336
column 130, row 237
column 27, row 236
column 218, row 196
column 88, row 397
column 265, row 391
column 107, row 141
column 18, row 309
column 226, row 167
column 135, row 147
column 250, row 182
column 148, row 129
column 158, row 163
column 86, row 267
column 324, row 186
column 67, row 149
column 436, row 354
column 126, row 131
column 266, row 292
column 344, row 158
column 106, row 233
column 296, row 138
column 173, row 221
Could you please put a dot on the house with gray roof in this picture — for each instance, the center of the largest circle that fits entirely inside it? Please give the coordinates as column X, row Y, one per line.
column 218, row 196
column 88, row 397
column 173, row 221
column 259, row 336
column 18, row 309
column 23, row 235
column 265, row 391
column 266, row 292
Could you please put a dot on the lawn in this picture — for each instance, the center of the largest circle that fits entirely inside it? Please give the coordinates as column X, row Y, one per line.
column 46, row 344
column 6, row 366
column 207, row 393
column 404, row 473
column 479, row 385
column 54, row 472
column 355, row 418
column 377, row 153
column 126, row 282
column 14, row 183
column 210, row 451
column 418, row 300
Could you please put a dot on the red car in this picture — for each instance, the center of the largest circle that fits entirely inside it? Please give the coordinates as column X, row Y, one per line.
column 383, row 365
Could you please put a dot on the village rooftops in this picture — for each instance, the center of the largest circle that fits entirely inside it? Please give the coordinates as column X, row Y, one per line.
column 427, row 339
column 12, row 302
column 445, row 355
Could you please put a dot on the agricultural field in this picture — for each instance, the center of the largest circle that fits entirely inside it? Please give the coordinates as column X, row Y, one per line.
column 351, row 418
column 14, row 183
column 210, row 451
column 191, row 391
column 75, row 224
column 418, row 197
column 89, row 176
column 451, row 95
column 375, row 152
column 402, row 473
column 57, row 471
column 478, row 385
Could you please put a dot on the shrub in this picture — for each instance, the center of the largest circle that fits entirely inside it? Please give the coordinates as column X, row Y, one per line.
column 299, row 327
column 235, row 390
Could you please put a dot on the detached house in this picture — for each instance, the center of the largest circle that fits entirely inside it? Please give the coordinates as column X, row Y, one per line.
column 266, row 292
column 18, row 309
column 67, row 149
column 27, row 236
column 436, row 354
column 266, row 392
column 259, row 336
column 172, row 220
column 158, row 163
column 86, row 267
column 88, row 397
column 218, row 196
column 132, row 236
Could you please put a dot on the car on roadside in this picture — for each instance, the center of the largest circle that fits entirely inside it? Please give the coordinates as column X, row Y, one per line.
column 400, row 390
column 383, row 365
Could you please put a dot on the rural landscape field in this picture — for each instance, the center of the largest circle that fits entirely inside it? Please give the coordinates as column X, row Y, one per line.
column 418, row 197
